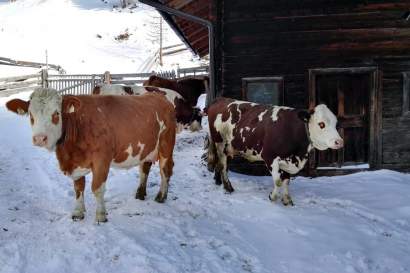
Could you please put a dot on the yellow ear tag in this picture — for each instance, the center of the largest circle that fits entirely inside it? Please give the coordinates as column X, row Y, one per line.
column 21, row 111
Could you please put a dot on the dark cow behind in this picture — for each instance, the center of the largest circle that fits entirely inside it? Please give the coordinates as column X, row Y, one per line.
column 282, row 137
column 189, row 88
column 187, row 116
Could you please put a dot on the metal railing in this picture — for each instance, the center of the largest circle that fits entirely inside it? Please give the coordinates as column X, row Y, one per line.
column 83, row 84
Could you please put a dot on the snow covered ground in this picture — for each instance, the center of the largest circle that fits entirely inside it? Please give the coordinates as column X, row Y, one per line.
column 80, row 36
column 354, row 223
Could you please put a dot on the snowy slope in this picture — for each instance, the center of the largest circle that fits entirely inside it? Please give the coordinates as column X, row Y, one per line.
column 354, row 223
column 80, row 36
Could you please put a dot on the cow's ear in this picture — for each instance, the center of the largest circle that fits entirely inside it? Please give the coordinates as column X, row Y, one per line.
column 71, row 104
column 18, row 106
column 304, row 115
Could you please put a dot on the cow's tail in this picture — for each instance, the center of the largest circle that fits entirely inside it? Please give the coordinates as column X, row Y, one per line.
column 212, row 157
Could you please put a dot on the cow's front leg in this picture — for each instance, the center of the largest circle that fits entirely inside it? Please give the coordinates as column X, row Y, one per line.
column 79, row 209
column 277, row 182
column 222, row 167
column 100, row 174
column 144, row 172
column 286, row 199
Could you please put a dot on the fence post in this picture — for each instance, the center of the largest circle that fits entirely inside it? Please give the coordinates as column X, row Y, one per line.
column 44, row 78
column 107, row 77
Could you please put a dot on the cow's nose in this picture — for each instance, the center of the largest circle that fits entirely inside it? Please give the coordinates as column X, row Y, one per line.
column 339, row 143
column 40, row 140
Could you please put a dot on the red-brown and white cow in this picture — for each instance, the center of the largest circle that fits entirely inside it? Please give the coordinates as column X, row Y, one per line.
column 92, row 133
column 282, row 137
column 186, row 115
column 190, row 87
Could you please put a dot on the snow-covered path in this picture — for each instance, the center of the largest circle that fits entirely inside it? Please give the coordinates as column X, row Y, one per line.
column 355, row 223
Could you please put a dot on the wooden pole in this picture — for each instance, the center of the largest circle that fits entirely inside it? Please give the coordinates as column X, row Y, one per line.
column 160, row 41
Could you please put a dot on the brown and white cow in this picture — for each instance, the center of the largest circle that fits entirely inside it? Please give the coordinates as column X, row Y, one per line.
column 190, row 88
column 186, row 115
column 92, row 133
column 282, row 137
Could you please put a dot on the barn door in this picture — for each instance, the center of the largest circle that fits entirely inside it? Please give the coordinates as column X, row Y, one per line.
column 349, row 96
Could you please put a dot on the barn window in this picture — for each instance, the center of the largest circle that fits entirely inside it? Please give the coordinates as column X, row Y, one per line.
column 406, row 93
column 264, row 90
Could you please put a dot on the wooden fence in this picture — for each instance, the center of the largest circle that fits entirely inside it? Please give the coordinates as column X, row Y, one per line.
column 12, row 85
column 83, row 84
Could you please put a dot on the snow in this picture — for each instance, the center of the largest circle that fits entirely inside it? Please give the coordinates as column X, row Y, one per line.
column 352, row 223
column 69, row 29
column 348, row 167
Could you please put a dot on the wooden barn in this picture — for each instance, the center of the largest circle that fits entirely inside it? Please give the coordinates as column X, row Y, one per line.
column 353, row 56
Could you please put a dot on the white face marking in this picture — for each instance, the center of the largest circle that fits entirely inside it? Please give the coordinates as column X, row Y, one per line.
column 322, row 129
column 78, row 172
column 195, row 126
column 276, row 109
column 44, row 102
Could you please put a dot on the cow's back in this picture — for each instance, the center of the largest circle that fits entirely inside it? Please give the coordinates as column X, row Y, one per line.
column 254, row 127
column 113, row 127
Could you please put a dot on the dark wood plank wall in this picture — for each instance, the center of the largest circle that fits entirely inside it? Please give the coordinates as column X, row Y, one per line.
column 286, row 38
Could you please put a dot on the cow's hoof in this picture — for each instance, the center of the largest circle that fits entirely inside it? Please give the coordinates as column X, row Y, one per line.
column 77, row 217
column 218, row 180
column 273, row 197
column 141, row 193
column 78, row 214
column 101, row 217
column 228, row 187
column 287, row 200
column 160, row 198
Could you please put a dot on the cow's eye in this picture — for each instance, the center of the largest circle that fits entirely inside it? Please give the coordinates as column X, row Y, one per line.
column 322, row 125
column 55, row 117
column 31, row 119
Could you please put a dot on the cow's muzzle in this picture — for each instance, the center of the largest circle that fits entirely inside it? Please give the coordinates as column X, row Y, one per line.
column 40, row 140
column 338, row 144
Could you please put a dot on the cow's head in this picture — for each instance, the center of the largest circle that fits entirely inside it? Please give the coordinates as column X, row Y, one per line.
column 45, row 109
column 196, row 120
column 322, row 128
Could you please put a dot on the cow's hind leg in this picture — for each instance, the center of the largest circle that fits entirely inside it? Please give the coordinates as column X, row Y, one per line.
column 144, row 172
column 78, row 213
column 165, row 165
column 211, row 153
column 213, row 161
column 277, row 182
column 286, row 199
column 100, row 174
column 221, row 170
